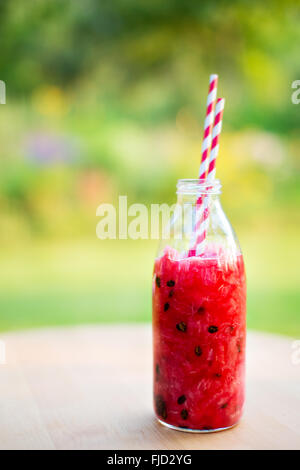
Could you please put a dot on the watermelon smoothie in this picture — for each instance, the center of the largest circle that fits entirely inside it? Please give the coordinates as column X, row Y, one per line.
column 199, row 334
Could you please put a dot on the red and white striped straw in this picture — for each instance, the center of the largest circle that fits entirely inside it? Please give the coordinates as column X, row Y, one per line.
column 215, row 139
column 200, row 240
column 206, row 144
column 208, row 124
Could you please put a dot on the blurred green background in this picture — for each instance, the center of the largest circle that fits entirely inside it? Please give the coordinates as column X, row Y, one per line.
column 107, row 98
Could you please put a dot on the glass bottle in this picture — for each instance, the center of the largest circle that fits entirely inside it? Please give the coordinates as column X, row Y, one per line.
column 199, row 318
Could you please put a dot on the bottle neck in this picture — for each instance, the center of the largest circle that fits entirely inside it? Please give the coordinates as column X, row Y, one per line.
column 190, row 191
column 183, row 199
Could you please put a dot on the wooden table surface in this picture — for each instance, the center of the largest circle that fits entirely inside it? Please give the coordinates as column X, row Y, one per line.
column 90, row 388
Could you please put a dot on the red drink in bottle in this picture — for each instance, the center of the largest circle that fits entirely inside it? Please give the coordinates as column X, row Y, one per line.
column 199, row 330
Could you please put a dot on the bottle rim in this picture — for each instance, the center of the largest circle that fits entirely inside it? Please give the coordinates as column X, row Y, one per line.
column 198, row 186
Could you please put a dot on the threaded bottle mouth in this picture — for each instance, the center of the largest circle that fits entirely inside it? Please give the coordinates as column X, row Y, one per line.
column 198, row 186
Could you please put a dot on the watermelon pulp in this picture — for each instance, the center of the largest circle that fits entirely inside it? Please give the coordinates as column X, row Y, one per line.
column 199, row 335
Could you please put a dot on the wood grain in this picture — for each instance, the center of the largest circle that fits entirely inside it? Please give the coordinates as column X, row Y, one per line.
column 90, row 388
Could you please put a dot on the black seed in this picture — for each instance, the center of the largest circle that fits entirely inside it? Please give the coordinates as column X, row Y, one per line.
column 213, row 329
column 239, row 347
column 198, row 351
column 166, row 307
column 171, row 293
column 201, row 310
column 160, row 406
column 157, row 370
column 207, row 428
column 184, row 414
column 224, row 406
column 157, row 280
column 171, row 283
column 181, row 399
column 181, row 326
column 184, row 427
column 218, row 375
